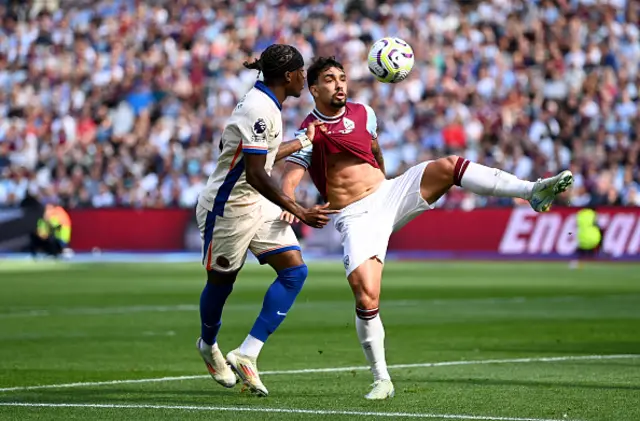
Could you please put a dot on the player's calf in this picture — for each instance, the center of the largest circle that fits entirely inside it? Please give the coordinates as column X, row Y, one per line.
column 440, row 175
column 277, row 302
column 488, row 181
column 365, row 284
column 212, row 300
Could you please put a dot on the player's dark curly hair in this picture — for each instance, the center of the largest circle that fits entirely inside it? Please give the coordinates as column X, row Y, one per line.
column 276, row 60
column 319, row 65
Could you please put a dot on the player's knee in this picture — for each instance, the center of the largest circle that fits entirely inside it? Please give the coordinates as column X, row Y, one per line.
column 293, row 278
column 439, row 174
column 221, row 278
column 448, row 165
column 367, row 299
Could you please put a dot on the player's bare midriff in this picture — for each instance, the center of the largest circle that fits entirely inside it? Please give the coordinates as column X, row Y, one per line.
column 350, row 179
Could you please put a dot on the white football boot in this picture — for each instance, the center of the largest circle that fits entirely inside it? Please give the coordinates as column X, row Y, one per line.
column 247, row 369
column 382, row 389
column 216, row 364
column 546, row 189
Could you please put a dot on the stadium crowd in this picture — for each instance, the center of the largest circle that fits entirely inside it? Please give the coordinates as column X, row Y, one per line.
column 121, row 103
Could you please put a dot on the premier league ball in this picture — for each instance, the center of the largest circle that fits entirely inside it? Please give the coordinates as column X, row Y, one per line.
column 390, row 60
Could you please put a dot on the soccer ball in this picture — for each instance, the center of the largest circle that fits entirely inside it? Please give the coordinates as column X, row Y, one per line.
column 390, row 60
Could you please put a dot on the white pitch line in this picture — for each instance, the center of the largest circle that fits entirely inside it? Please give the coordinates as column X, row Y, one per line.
column 468, row 362
column 105, row 383
column 274, row 410
column 330, row 370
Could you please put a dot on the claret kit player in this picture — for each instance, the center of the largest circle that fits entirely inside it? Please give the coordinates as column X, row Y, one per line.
column 347, row 167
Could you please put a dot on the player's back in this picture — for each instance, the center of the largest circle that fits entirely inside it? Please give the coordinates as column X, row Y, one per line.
column 254, row 127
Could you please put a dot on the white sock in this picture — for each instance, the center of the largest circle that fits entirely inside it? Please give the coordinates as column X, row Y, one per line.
column 487, row 181
column 371, row 335
column 251, row 347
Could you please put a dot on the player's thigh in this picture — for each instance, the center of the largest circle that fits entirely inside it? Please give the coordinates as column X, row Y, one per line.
column 365, row 282
column 364, row 236
column 275, row 243
column 226, row 240
column 406, row 194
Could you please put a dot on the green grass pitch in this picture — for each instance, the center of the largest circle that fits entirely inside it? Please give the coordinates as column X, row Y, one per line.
column 508, row 342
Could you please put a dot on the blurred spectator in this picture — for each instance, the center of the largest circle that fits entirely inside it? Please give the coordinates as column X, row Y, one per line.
column 122, row 103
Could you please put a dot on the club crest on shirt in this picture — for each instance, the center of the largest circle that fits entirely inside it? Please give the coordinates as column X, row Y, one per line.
column 349, row 125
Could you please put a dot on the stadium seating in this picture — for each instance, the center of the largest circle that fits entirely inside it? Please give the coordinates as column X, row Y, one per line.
column 107, row 104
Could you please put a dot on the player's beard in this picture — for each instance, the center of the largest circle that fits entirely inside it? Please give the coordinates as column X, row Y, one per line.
column 338, row 103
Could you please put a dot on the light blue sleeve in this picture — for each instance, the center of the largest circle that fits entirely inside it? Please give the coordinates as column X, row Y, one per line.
column 303, row 156
column 372, row 121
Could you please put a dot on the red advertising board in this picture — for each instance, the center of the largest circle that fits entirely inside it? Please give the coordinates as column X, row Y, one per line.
column 518, row 231
column 506, row 232
column 129, row 229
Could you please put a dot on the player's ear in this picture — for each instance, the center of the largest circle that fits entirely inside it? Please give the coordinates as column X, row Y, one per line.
column 314, row 91
column 287, row 77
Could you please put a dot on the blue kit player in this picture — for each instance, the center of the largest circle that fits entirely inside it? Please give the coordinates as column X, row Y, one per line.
column 240, row 209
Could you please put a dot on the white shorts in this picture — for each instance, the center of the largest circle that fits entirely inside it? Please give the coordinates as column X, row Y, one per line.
column 227, row 239
column 366, row 225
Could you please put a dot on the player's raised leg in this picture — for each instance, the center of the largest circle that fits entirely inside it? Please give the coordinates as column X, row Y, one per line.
column 275, row 244
column 365, row 283
column 440, row 175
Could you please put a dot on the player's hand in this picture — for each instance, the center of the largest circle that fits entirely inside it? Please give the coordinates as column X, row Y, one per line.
column 311, row 129
column 317, row 216
column 288, row 217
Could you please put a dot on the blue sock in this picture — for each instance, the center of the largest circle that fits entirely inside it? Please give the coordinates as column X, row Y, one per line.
column 278, row 300
column 212, row 301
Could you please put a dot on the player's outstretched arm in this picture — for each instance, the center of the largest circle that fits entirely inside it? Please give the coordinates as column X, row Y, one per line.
column 301, row 141
column 288, row 148
column 258, row 178
column 291, row 178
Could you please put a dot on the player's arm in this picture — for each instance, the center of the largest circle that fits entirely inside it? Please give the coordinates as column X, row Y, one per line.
column 293, row 173
column 303, row 139
column 377, row 153
column 291, row 178
column 294, row 170
column 287, row 148
column 372, row 128
column 258, row 178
